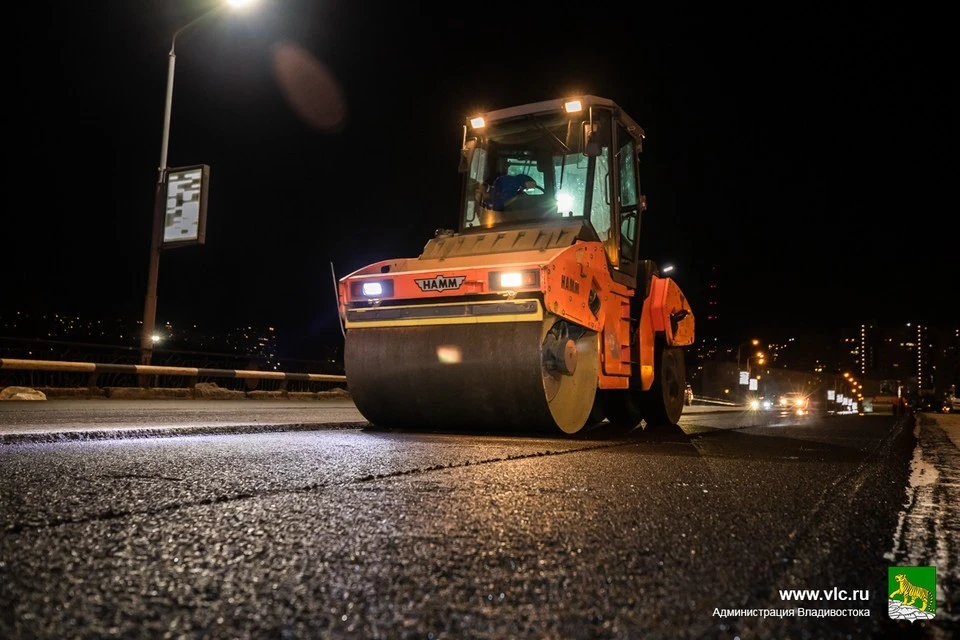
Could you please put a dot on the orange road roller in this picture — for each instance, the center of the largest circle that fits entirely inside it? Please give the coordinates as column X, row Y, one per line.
column 538, row 313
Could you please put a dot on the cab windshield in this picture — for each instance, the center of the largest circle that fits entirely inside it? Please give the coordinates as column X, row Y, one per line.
column 530, row 169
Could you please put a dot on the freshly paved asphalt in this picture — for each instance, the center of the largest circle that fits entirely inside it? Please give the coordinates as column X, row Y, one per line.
column 356, row 532
column 22, row 421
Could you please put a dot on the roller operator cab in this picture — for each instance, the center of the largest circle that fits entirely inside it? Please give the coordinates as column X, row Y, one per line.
column 538, row 312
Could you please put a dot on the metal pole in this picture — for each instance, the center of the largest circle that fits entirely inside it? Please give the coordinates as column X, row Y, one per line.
column 159, row 201
column 156, row 236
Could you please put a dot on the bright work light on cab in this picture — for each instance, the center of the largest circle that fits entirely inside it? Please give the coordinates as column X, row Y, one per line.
column 573, row 106
column 564, row 202
column 477, row 123
column 372, row 289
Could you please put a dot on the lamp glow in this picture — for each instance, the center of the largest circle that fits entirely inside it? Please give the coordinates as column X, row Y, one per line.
column 372, row 289
column 511, row 279
column 477, row 123
column 564, row 202
column 573, row 106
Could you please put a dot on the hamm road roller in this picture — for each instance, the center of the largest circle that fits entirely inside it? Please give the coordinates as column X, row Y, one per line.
column 538, row 312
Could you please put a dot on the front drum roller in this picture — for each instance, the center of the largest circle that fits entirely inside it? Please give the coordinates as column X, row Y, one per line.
column 518, row 376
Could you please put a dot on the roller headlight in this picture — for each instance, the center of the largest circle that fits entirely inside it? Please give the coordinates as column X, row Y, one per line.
column 372, row 289
column 513, row 280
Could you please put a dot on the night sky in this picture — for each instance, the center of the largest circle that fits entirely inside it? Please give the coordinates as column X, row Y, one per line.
column 804, row 149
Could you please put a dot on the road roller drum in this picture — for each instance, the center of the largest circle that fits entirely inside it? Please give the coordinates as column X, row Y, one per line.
column 486, row 376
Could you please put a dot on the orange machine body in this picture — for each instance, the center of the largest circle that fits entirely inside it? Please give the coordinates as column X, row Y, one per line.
column 572, row 282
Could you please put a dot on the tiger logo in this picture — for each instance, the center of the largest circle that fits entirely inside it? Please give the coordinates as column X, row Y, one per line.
column 912, row 593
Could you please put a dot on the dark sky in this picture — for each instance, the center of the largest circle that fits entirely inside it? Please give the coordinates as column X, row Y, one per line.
column 806, row 150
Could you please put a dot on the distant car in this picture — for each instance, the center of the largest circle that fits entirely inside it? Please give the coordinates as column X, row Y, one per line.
column 933, row 404
column 761, row 404
column 793, row 401
column 688, row 395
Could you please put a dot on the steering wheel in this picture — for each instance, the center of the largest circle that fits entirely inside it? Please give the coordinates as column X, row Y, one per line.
column 533, row 186
column 505, row 188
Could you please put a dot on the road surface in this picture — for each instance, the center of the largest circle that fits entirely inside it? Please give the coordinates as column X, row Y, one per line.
column 364, row 533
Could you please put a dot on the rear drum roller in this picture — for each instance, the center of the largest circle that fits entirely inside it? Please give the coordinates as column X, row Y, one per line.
column 519, row 376
column 662, row 404
column 659, row 407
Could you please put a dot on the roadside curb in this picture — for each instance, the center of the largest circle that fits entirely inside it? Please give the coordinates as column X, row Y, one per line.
column 45, row 437
column 203, row 391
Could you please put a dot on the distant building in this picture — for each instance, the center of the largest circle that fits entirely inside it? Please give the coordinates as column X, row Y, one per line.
column 922, row 358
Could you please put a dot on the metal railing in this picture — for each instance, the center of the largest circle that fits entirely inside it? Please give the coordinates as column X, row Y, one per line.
column 89, row 375
column 175, row 368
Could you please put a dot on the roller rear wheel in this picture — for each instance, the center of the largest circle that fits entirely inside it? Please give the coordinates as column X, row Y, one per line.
column 662, row 404
column 660, row 407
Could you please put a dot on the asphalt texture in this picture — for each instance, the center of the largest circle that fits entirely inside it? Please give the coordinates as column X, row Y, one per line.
column 367, row 533
column 53, row 420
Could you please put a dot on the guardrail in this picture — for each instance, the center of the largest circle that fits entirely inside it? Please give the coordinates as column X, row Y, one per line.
column 145, row 372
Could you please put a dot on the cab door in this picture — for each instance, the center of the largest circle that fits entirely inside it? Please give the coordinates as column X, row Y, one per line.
column 628, row 203
column 614, row 204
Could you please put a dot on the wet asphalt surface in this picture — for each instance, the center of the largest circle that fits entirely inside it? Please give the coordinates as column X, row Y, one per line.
column 365, row 533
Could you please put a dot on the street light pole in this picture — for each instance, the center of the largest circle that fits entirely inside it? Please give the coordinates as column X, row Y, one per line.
column 156, row 235
column 753, row 342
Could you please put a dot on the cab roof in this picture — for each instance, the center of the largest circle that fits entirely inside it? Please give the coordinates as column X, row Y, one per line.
column 552, row 106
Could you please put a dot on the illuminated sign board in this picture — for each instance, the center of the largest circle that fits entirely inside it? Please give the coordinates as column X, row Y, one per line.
column 185, row 215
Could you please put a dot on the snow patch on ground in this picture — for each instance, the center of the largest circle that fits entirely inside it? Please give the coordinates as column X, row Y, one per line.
column 928, row 529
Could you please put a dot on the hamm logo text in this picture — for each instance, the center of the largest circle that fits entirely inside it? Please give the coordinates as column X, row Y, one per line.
column 440, row 283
